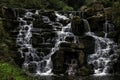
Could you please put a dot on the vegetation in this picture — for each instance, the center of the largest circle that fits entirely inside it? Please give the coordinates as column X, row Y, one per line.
column 116, row 13
column 10, row 72
column 41, row 4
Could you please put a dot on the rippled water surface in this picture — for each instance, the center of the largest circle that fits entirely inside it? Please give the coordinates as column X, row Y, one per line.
column 92, row 77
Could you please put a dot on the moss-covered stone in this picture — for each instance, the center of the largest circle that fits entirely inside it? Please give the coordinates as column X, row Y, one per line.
column 89, row 44
column 77, row 26
column 59, row 62
column 84, row 71
column 98, row 21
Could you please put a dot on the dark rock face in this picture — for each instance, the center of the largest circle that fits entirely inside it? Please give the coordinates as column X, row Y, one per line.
column 77, row 26
column 70, row 53
column 89, row 44
column 98, row 23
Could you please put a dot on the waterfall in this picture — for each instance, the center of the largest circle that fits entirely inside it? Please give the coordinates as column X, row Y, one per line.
column 108, row 27
column 32, row 62
column 41, row 65
column 102, row 59
column 104, row 55
column 86, row 25
column 62, row 35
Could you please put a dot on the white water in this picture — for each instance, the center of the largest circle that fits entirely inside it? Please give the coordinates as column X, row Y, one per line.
column 41, row 67
column 62, row 35
column 102, row 59
column 108, row 27
column 32, row 60
column 59, row 16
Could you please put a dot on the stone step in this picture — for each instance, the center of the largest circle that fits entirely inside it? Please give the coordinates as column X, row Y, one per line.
column 71, row 45
column 46, row 51
column 44, row 45
column 69, row 39
column 69, row 49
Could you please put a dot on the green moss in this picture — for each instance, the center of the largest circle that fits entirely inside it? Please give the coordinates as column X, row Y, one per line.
column 84, row 71
column 10, row 72
column 67, row 8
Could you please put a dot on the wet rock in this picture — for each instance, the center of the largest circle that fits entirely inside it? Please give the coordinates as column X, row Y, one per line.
column 116, row 66
column 98, row 21
column 20, row 11
column 50, row 14
column 100, row 33
column 87, row 11
column 36, row 40
column 108, row 13
column 46, row 51
column 41, row 24
column 112, row 34
column 92, row 10
column 64, row 22
column 81, row 58
column 84, row 71
column 63, row 57
column 58, row 62
column 71, row 45
column 8, row 13
column 69, row 39
column 89, row 44
column 45, row 45
column 32, row 67
column 77, row 26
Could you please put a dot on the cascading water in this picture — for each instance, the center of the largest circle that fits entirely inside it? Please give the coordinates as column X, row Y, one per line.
column 32, row 60
column 102, row 59
column 62, row 35
column 108, row 27
column 41, row 65
column 104, row 55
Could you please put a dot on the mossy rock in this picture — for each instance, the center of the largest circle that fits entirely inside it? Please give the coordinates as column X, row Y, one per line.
column 108, row 13
column 84, row 71
column 58, row 62
column 77, row 26
column 81, row 58
column 88, row 49
column 8, row 13
column 50, row 14
column 96, row 22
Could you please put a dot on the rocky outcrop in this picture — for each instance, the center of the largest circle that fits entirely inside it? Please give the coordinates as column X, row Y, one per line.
column 78, row 26
column 67, row 53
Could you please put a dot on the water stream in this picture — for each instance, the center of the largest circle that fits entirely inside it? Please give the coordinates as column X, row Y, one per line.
column 102, row 59
column 33, row 63
column 104, row 55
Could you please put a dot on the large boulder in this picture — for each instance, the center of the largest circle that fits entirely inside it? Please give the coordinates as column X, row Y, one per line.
column 96, row 22
column 68, row 56
column 89, row 44
column 77, row 26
